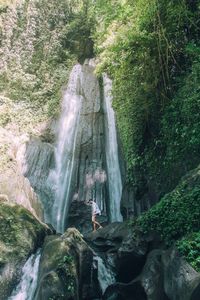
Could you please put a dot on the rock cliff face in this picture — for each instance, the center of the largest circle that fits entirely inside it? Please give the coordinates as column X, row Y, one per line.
column 12, row 182
column 37, row 158
column 87, row 163
column 133, row 203
column 80, row 168
column 89, row 159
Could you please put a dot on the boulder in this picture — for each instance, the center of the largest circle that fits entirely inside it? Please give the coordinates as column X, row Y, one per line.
column 66, row 268
column 125, row 291
column 181, row 281
column 168, row 276
column 20, row 235
column 151, row 278
column 165, row 276
column 127, row 246
column 143, row 268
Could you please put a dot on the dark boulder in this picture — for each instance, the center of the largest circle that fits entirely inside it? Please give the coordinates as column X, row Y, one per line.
column 181, row 281
column 128, row 249
column 122, row 291
column 66, row 268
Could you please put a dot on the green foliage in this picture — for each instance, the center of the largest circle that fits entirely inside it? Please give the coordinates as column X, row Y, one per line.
column 184, row 136
column 175, row 150
column 189, row 247
column 68, row 263
column 67, row 259
column 47, row 38
column 18, row 230
column 177, row 213
column 150, row 49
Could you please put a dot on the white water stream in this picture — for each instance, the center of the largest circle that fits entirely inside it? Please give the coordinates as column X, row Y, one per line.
column 65, row 149
column 105, row 275
column 112, row 158
column 28, row 284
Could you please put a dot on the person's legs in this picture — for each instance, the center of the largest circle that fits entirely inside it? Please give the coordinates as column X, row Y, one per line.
column 98, row 224
column 94, row 221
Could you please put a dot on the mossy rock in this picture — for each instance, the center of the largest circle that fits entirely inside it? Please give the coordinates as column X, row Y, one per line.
column 176, row 217
column 20, row 235
column 65, row 267
column 178, row 213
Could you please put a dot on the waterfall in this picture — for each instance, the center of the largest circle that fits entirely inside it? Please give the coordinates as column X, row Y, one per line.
column 112, row 159
column 86, row 165
column 28, row 284
column 65, row 149
column 83, row 143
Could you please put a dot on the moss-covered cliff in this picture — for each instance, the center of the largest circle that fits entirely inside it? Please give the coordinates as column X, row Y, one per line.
column 151, row 51
column 177, row 217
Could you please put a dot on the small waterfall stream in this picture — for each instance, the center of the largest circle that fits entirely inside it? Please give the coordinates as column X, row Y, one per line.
column 105, row 275
column 28, row 284
column 112, row 159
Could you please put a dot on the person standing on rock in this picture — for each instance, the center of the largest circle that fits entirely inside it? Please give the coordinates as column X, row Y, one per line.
column 95, row 212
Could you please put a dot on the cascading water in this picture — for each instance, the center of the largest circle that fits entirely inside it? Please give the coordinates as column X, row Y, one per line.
column 112, row 159
column 81, row 146
column 28, row 284
column 105, row 275
column 80, row 151
column 66, row 148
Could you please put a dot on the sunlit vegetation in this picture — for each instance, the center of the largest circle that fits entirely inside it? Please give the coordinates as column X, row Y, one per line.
column 39, row 48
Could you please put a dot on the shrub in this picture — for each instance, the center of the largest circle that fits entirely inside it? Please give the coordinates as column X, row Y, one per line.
column 176, row 215
column 189, row 247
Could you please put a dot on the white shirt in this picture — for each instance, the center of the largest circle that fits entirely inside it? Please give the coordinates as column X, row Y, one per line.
column 95, row 209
